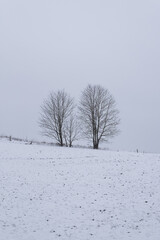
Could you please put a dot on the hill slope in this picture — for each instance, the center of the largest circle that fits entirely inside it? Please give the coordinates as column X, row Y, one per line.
column 78, row 194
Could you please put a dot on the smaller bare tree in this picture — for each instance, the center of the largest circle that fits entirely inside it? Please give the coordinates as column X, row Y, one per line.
column 55, row 112
column 98, row 114
column 71, row 131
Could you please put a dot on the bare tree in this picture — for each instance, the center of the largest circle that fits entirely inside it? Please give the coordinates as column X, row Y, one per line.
column 98, row 114
column 71, row 130
column 55, row 112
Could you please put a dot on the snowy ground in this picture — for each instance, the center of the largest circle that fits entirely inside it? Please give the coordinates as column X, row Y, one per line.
column 78, row 194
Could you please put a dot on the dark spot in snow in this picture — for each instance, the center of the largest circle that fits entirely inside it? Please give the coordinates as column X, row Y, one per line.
column 102, row 210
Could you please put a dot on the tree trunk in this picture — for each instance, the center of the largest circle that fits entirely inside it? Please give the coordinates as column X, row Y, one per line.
column 95, row 146
column 61, row 141
column 61, row 137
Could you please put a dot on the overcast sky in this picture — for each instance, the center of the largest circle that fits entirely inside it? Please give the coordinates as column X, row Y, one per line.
column 46, row 45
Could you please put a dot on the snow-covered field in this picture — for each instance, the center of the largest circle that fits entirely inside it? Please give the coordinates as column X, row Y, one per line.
column 78, row 194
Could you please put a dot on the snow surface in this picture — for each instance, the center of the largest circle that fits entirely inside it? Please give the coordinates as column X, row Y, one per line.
column 78, row 194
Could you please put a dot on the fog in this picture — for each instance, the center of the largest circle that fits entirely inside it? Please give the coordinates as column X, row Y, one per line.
column 50, row 45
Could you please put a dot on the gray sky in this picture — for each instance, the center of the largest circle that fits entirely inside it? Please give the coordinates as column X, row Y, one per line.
column 54, row 44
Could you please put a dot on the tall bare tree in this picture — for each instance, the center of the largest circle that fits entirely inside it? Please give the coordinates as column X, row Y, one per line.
column 55, row 112
column 98, row 114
